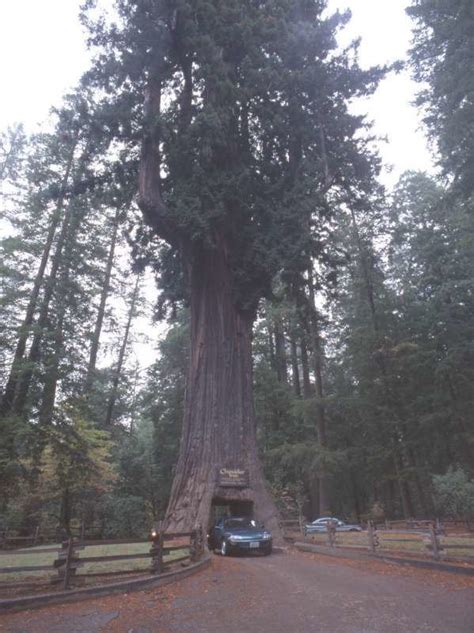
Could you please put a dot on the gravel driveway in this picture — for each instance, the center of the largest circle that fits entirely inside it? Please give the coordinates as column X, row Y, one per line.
column 283, row 593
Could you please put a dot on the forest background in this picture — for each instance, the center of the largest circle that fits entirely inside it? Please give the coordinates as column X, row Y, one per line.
column 363, row 378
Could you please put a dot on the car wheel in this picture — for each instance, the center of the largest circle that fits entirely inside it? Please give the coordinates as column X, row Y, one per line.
column 224, row 550
column 267, row 552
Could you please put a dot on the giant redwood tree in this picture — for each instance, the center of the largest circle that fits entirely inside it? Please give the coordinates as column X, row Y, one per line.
column 246, row 145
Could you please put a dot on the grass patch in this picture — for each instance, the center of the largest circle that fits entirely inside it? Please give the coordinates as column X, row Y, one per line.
column 400, row 542
column 27, row 558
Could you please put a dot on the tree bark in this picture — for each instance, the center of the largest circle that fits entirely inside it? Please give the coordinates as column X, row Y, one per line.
column 321, row 425
column 295, row 371
column 280, row 351
column 219, row 428
column 307, row 390
column 121, row 358
column 101, row 311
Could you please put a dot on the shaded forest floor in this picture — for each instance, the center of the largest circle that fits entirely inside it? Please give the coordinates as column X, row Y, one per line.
column 292, row 592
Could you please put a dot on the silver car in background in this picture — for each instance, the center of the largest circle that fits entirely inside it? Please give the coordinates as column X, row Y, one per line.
column 320, row 525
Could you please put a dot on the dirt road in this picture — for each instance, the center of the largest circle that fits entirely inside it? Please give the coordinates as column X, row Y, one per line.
column 286, row 593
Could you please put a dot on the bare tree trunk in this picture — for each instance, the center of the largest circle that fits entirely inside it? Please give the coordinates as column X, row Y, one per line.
column 280, row 351
column 307, row 391
column 271, row 347
column 52, row 374
column 295, row 371
column 355, row 494
column 65, row 512
column 121, row 358
column 101, row 311
column 219, row 422
column 324, row 502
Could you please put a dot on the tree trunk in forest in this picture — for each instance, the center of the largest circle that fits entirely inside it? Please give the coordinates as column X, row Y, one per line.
column 52, row 375
column 307, row 390
column 324, row 502
column 219, row 429
column 295, row 371
column 121, row 358
column 24, row 331
column 52, row 364
column 398, row 443
column 355, row 495
column 313, row 494
column 271, row 347
column 65, row 512
column 26, row 376
column 280, row 351
column 101, row 311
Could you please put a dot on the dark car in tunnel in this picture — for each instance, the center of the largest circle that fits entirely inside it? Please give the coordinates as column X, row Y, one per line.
column 239, row 534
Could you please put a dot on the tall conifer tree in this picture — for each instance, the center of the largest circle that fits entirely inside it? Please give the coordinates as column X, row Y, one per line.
column 245, row 143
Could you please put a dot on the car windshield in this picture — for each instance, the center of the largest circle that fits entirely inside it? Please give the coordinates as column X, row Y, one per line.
column 240, row 523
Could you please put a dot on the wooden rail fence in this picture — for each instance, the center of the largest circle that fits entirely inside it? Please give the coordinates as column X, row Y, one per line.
column 432, row 540
column 69, row 560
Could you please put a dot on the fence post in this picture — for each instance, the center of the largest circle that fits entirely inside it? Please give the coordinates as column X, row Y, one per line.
column 373, row 537
column 301, row 524
column 331, row 531
column 156, row 551
column 35, row 538
column 435, row 545
column 65, row 562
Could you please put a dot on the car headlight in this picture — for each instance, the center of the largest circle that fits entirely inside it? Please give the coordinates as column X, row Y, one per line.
column 235, row 537
column 267, row 535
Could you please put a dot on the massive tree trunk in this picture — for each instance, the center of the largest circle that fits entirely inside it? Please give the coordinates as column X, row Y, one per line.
column 219, row 422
